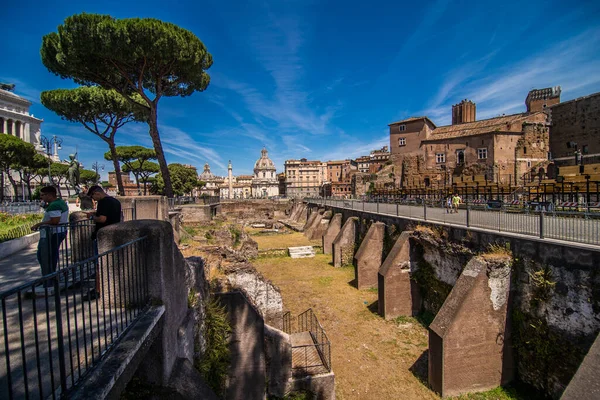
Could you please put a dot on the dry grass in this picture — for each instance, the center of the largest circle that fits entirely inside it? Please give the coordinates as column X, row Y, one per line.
column 294, row 239
column 371, row 357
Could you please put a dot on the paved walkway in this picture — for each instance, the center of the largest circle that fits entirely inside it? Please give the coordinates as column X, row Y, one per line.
column 19, row 268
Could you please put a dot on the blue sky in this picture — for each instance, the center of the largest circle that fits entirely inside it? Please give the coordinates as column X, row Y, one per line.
column 322, row 79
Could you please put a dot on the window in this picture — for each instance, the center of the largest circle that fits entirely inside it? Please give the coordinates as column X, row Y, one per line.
column 440, row 158
column 524, row 150
column 402, row 141
column 482, row 153
column 402, row 128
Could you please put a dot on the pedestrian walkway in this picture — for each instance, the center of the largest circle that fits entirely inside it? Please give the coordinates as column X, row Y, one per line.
column 19, row 268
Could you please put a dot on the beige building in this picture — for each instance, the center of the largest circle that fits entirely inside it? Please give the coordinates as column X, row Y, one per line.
column 304, row 178
column 211, row 188
column 264, row 181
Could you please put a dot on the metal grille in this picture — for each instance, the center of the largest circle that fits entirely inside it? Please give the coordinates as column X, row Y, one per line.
column 311, row 349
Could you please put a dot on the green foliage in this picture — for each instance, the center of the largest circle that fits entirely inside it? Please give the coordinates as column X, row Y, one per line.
column 102, row 112
column 88, row 178
column 140, row 56
column 16, row 226
column 184, row 180
column 296, row 395
column 236, row 233
column 499, row 393
column 214, row 364
column 543, row 285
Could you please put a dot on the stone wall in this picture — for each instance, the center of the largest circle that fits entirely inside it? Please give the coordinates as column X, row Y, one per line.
column 554, row 304
column 258, row 210
column 576, row 121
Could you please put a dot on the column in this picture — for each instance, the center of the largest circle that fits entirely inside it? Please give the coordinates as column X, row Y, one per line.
column 4, row 126
column 26, row 133
column 14, row 128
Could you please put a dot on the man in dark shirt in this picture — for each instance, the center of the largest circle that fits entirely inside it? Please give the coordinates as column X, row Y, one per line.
column 108, row 212
column 108, row 209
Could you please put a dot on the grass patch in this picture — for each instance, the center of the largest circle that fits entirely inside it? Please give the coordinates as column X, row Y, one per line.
column 325, row 280
column 16, row 226
column 214, row 364
column 295, row 239
column 500, row 393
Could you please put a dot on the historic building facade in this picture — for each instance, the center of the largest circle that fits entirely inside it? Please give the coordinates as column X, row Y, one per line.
column 264, row 182
column 16, row 120
column 211, row 187
column 304, row 178
column 575, row 131
column 502, row 149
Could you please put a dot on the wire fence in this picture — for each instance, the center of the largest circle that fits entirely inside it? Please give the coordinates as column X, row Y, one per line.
column 56, row 328
column 568, row 223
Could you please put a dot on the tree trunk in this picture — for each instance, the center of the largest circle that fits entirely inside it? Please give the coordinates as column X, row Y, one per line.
column 115, row 158
column 14, row 185
column 145, row 183
column 29, row 188
column 164, row 170
column 1, row 186
column 137, row 180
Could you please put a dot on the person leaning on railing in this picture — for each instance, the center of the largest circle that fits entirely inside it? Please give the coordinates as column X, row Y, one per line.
column 51, row 234
column 108, row 212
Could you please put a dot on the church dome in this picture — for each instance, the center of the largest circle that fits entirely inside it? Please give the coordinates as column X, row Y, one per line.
column 206, row 175
column 264, row 162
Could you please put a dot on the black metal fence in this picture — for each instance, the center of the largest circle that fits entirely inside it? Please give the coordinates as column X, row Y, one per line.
column 56, row 328
column 574, row 226
column 311, row 348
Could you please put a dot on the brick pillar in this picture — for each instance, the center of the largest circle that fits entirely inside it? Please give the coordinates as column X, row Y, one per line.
column 368, row 257
column 335, row 225
column 469, row 343
column 313, row 221
column 320, row 226
column 398, row 294
column 344, row 243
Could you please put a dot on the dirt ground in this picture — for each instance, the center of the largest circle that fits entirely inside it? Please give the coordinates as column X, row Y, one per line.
column 371, row 358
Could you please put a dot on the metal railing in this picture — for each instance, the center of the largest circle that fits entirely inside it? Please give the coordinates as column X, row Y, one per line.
column 572, row 226
column 53, row 332
column 21, row 207
column 312, row 355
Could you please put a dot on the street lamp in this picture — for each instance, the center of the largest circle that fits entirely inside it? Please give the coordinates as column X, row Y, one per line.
column 51, row 147
column 96, row 167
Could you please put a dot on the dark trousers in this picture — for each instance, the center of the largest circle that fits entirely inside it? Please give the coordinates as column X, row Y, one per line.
column 48, row 251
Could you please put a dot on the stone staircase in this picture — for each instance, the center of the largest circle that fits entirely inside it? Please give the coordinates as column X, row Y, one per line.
column 301, row 252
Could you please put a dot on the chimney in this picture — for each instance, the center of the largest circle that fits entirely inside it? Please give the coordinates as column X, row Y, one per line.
column 463, row 112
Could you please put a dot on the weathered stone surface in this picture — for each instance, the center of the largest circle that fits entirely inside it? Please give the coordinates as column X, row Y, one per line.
column 312, row 227
column 321, row 227
column 311, row 219
column 368, row 257
column 334, row 227
column 80, row 236
column 247, row 370
column 585, row 384
column 344, row 244
column 398, row 294
column 301, row 252
column 278, row 355
column 470, row 348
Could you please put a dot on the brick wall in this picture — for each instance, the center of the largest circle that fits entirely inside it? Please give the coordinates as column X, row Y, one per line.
column 576, row 121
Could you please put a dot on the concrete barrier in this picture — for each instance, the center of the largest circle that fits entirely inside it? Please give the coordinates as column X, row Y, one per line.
column 14, row 246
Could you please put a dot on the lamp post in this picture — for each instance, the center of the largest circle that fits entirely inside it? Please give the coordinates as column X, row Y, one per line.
column 96, row 167
column 51, row 147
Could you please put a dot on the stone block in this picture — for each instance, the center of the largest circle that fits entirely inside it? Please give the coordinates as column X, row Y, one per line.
column 301, row 252
column 398, row 294
column 585, row 384
column 368, row 257
column 335, row 225
column 345, row 242
column 469, row 343
column 311, row 219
